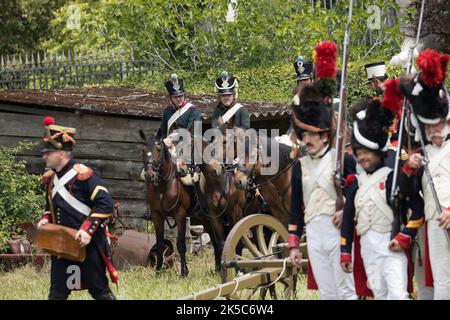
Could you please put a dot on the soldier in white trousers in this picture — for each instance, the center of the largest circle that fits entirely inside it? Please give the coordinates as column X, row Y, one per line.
column 368, row 209
column 424, row 291
column 314, row 198
column 430, row 106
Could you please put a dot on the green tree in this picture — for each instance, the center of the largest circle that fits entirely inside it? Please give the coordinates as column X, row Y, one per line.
column 24, row 23
column 195, row 36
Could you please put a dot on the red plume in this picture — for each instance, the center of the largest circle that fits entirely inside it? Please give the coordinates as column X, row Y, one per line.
column 392, row 98
column 326, row 57
column 433, row 66
column 48, row 121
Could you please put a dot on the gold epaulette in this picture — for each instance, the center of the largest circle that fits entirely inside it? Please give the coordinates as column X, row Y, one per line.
column 403, row 155
column 47, row 176
column 84, row 172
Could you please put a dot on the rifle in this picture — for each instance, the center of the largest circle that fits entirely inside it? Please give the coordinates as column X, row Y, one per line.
column 430, row 179
column 340, row 130
column 395, row 190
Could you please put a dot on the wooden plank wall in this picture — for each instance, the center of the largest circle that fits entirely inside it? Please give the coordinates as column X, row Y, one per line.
column 111, row 145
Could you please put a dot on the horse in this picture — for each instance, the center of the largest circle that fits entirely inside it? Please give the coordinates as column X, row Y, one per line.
column 166, row 196
column 275, row 188
column 226, row 203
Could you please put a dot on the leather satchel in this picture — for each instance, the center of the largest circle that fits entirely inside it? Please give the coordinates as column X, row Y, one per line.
column 59, row 241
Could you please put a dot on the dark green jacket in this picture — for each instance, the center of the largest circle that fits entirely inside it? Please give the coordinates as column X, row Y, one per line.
column 241, row 118
column 185, row 121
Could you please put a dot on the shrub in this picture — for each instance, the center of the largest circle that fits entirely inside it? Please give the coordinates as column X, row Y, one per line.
column 21, row 194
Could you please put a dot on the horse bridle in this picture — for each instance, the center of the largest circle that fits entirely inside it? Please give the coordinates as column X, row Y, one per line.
column 155, row 165
column 249, row 174
column 251, row 177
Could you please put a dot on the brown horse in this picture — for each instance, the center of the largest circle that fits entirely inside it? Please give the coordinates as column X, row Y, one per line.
column 226, row 203
column 275, row 188
column 166, row 195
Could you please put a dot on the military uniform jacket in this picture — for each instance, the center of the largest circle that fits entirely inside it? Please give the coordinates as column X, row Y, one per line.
column 415, row 181
column 298, row 206
column 365, row 208
column 78, row 198
column 185, row 121
column 240, row 119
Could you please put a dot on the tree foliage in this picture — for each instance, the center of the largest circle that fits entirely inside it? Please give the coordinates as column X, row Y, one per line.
column 24, row 23
column 436, row 20
column 194, row 35
column 21, row 194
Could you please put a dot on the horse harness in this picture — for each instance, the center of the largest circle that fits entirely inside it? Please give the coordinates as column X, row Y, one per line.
column 253, row 186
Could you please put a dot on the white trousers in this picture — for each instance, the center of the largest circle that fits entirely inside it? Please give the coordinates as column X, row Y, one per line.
column 424, row 292
column 387, row 271
column 324, row 255
column 440, row 260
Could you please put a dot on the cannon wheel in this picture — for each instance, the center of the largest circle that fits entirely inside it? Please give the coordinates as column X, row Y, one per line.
column 250, row 232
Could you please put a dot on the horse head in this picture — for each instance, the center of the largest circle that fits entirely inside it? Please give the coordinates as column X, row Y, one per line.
column 219, row 159
column 246, row 171
column 155, row 154
column 245, row 175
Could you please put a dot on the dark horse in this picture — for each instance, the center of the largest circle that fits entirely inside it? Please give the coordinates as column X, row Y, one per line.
column 274, row 188
column 166, row 195
column 226, row 203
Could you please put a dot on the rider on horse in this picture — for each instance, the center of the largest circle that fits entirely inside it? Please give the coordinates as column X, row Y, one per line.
column 181, row 114
column 229, row 110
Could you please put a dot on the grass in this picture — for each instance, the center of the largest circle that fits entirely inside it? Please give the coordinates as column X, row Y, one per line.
column 137, row 283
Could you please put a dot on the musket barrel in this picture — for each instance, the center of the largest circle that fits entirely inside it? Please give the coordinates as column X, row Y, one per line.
column 338, row 166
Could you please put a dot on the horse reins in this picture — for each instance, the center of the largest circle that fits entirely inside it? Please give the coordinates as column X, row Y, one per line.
column 156, row 166
column 227, row 199
column 253, row 178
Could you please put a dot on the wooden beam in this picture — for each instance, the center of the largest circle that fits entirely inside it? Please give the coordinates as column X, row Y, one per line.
column 247, row 281
column 90, row 127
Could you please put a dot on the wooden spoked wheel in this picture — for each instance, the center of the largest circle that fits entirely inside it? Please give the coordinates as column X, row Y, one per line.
column 257, row 237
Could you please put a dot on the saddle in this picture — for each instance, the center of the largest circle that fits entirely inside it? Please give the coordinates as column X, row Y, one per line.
column 59, row 241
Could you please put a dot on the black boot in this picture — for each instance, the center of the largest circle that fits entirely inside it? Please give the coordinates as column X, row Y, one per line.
column 200, row 196
column 105, row 296
column 58, row 296
column 201, row 199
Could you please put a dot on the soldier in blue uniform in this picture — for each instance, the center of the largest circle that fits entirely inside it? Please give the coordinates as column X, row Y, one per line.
column 229, row 111
column 76, row 198
column 181, row 113
column 304, row 71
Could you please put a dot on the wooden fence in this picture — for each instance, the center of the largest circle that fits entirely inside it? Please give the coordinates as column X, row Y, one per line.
column 43, row 72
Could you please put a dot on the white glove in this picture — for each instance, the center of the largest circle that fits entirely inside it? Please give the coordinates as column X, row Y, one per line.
column 168, row 142
column 83, row 237
column 42, row 222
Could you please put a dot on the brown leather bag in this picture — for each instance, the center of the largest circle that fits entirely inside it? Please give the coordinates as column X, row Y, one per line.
column 60, row 241
column 19, row 245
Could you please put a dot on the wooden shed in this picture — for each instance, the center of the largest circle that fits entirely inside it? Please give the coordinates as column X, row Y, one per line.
column 108, row 121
